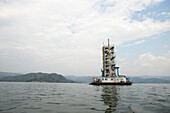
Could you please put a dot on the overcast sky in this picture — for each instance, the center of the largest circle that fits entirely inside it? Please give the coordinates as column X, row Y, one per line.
column 66, row 36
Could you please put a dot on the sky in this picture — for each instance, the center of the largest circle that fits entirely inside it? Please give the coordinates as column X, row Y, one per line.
column 66, row 36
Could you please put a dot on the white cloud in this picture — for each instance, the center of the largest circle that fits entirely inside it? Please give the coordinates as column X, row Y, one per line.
column 154, row 65
column 139, row 42
column 163, row 13
column 149, row 64
column 135, row 43
column 66, row 36
column 165, row 46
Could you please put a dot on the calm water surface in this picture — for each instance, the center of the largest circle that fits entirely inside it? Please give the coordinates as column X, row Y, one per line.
column 22, row 97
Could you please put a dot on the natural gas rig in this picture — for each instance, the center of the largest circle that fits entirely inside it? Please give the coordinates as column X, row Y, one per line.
column 110, row 72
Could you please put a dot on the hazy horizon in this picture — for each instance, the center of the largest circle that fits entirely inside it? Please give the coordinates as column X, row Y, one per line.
column 89, row 75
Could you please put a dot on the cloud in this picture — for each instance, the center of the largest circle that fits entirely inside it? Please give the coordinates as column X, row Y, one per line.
column 66, row 36
column 163, row 13
column 135, row 43
column 165, row 46
column 139, row 42
column 154, row 65
column 149, row 64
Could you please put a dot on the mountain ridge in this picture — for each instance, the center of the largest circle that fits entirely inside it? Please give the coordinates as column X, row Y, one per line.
column 53, row 77
column 37, row 77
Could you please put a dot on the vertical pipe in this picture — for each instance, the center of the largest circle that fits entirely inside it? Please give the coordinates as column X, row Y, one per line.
column 103, row 73
column 118, row 71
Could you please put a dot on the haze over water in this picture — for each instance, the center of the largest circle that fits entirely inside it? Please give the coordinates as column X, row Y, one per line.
column 21, row 97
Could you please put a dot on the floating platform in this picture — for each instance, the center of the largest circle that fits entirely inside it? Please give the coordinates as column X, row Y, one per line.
column 111, row 83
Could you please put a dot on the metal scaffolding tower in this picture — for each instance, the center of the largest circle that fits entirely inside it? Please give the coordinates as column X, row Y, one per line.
column 108, row 61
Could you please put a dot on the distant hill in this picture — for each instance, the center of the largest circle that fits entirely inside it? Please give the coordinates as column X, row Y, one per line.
column 53, row 77
column 37, row 77
column 83, row 79
column 149, row 80
column 4, row 74
column 88, row 79
column 148, row 77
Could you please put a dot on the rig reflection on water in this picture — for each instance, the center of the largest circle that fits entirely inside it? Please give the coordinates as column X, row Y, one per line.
column 113, row 101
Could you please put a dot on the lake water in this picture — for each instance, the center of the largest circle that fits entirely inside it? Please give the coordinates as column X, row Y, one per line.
column 27, row 97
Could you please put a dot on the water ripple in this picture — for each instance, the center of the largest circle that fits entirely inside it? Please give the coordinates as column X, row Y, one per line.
column 83, row 98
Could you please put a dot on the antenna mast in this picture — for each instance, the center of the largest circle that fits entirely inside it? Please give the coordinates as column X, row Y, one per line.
column 108, row 43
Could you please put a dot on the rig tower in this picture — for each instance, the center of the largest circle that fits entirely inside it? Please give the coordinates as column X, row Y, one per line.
column 108, row 54
column 110, row 72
